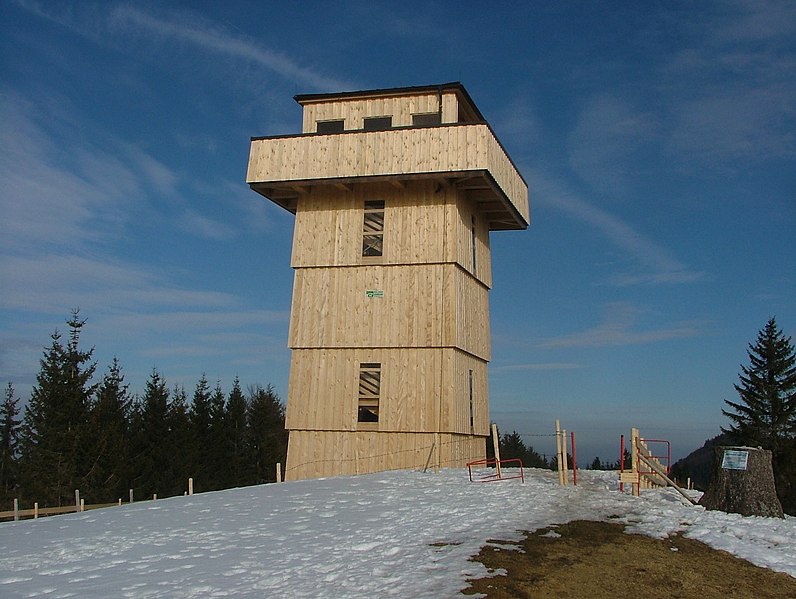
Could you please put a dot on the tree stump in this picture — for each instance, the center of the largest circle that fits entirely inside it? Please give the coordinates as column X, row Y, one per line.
column 742, row 483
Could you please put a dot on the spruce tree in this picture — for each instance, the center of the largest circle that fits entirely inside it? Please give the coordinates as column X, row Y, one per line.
column 218, row 454
column 765, row 416
column 199, row 418
column 267, row 434
column 180, row 441
column 56, row 434
column 9, row 443
column 153, row 457
column 239, row 467
column 766, row 413
column 110, row 420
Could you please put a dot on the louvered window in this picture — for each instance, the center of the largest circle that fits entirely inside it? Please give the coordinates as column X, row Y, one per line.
column 369, row 392
column 373, row 229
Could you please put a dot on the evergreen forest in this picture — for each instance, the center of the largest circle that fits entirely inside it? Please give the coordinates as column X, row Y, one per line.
column 81, row 431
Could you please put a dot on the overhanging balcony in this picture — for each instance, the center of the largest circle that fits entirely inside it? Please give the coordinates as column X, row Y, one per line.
column 468, row 156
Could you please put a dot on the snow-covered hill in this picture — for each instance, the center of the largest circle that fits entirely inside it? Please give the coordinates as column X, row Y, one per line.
column 405, row 534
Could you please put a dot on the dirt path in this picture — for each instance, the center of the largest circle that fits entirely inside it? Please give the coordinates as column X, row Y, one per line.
column 594, row 560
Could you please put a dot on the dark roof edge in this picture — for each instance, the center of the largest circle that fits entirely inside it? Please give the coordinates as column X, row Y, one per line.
column 388, row 91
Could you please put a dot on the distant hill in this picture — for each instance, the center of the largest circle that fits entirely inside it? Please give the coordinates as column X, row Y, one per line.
column 697, row 464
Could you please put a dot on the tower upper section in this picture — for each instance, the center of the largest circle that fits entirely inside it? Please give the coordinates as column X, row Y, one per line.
column 395, row 135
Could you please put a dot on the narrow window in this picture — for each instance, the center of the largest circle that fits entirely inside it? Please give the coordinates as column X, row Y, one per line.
column 472, row 409
column 426, row 119
column 473, row 242
column 377, row 123
column 335, row 126
column 369, row 392
column 373, row 228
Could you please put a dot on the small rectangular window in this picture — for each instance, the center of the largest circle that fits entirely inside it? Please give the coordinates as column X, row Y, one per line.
column 335, row 126
column 369, row 392
column 474, row 243
column 426, row 119
column 377, row 123
column 472, row 408
column 373, row 229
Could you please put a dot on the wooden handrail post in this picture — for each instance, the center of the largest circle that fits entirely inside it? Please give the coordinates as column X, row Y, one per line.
column 634, row 461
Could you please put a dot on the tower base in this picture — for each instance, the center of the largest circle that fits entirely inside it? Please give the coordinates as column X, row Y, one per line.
column 316, row 454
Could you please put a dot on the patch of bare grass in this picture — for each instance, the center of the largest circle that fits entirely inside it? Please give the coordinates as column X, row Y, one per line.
column 595, row 560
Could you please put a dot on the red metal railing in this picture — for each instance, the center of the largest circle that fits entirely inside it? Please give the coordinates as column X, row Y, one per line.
column 659, row 458
column 499, row 474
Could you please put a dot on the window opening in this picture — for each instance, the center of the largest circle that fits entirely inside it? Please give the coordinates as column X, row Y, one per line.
column 473, row 243
column 377, row 123
column 369, row 392
column 335, row 126
column 426, row 119
column 472, row 410
column 373, row 228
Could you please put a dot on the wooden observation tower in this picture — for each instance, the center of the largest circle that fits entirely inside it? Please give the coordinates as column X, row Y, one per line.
column 395, row 192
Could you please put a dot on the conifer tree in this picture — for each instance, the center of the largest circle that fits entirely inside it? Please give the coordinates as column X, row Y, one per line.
column 267, row 434
column 199, row 418
column 56, row 435
column 217, row 474
column 180, row 440
column 9, row 442
column 110, row 420
column 239, row 466
column 765, row 416
column 153, row 456
column 766, row 413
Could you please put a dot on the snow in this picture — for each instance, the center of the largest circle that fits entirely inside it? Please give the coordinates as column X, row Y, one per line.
column 393, row 534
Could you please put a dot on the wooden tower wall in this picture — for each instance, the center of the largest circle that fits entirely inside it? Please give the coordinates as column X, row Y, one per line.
column 406, row 332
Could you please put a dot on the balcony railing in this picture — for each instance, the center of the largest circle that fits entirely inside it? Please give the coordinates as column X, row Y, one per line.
column 283, row 163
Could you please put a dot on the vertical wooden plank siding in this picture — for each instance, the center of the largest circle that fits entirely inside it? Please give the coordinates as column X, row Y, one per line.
column 460, row 148
column 313, row 454
column 323, row 390
column 401, row 108
column 420, row 310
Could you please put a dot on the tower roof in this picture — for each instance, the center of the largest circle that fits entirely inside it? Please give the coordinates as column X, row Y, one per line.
column 455, row 86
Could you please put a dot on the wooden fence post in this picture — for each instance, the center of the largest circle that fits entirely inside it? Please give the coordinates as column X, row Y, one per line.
column 77, row 500
column 16, row 509
column 35, row 510
column 190, row 486
column 559, row 450
column 279, row 472
column 574, row 460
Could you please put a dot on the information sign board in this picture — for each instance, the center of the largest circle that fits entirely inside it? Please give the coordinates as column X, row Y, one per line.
column 734, row 459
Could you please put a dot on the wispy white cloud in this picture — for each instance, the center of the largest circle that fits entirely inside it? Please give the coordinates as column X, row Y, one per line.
column 729, row 94
column 620, row 327
column 107, row 22
column 657, row 265
column 605, row 138
column 535, row 366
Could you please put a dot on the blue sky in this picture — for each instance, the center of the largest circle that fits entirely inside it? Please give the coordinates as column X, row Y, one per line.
column 657, row 140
